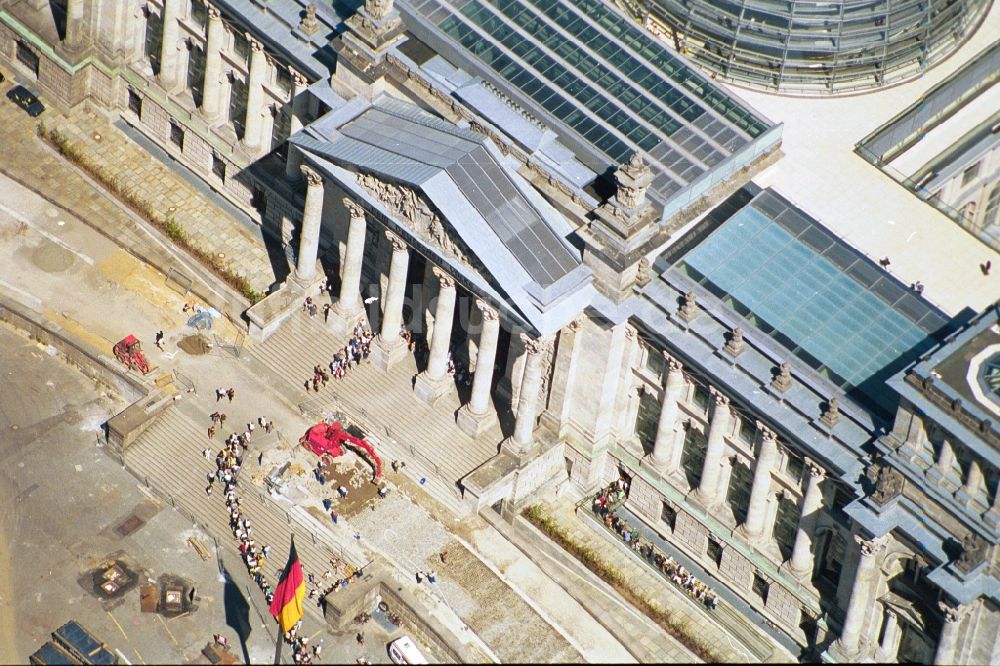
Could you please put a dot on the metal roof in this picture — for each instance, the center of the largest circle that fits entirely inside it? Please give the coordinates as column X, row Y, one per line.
column 404, row 144
column 582, row 65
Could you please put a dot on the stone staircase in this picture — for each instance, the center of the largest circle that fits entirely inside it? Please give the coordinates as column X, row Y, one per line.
column 383, row 404
column 168, row 459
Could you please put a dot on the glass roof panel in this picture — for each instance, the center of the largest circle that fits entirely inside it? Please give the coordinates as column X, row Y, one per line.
column 827, row 312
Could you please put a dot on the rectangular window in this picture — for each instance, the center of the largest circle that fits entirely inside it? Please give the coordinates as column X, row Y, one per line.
column 241, row 47
column 218, row 166
column 794, row 468
column 154, row 38
column 238, row 105
column 284, row 79
column 714, row 551
column 196, row 72
column 702, row 397
column 748, row 431
column 759, row 587
column 668, row 515
column 970, row 174
column 655, row 362
column 176, row 134
column 135, row 103
column 27, row 57
column 199, row 13
column 259, row 199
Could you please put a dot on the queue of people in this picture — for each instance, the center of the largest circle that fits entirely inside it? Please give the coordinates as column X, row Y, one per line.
column 605, row 504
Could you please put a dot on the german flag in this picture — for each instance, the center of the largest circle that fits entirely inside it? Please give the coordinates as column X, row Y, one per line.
column 286, row 607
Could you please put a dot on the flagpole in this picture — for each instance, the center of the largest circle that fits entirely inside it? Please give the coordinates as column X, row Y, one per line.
column 277, row 647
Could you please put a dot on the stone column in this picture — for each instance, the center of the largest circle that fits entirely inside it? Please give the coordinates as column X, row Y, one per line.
column 252, row 127
column 211, row 96
column 434, row 381
column 666, row 435
column 800, row 565
column 948, row 640
column 707, row 492
column 74, row 24
column 848, row 646
column 753, row 527
column 169, row 77
column 299, row 85
column 388, row 347
column 312, row 217
column 476, row 416
column 888, row 650
column 522, row 442
column 348, row 305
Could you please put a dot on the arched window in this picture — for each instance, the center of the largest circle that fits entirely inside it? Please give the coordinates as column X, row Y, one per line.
column 992, row 211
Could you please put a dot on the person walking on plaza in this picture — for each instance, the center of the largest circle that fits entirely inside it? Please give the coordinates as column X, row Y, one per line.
column 220, row 393
column 231, row 393
column 159, row 340
column 211, row 432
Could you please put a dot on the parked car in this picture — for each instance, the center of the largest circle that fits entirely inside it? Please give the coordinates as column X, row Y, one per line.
column 26, row 99
column 404, row 651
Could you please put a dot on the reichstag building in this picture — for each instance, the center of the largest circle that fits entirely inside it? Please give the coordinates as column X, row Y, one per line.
column 814, row 435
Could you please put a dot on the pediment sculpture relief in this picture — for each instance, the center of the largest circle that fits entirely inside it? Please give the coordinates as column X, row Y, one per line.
column 412, row 210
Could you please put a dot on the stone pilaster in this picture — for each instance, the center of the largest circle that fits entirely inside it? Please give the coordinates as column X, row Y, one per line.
column 888, row 649
column 564, row 376
column 707, row 492
column 848, row 647
column 75, row 28
column 388, row 347
column 522, row 443
column 666, row 433
column 298, row 110
column 948, row 640
column 477, row 415
column 253, row 126
column 752, row 528
column 211, row 96
column 800, row 565
column 169, row 59
column 435, row 381
column 312, row 218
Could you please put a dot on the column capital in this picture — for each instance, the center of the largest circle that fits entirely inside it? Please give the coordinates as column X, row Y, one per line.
column 313, row 177
column 953, row 614
column 255, row 45
column 445, row 281
column 398, row 244
column 489, row 313
column 815, row 470
column 721, row 401
column 534, row 345
column 213, row 13
column 673, row 365
column 870, row 547
column 766, row 434
column 299, row 80
column 354, row 208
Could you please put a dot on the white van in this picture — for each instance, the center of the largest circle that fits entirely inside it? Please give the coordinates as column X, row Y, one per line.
column 404, row 651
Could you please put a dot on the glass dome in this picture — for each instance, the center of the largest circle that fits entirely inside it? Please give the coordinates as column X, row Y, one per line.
column 815, row 48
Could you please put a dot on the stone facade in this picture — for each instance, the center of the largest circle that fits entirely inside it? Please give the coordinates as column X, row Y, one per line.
column 731, row 467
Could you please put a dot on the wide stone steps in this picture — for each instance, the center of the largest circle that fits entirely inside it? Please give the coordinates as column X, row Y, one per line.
column 167, row 458
column 382, row 403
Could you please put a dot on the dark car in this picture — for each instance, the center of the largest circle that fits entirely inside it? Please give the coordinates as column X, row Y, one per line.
column 26, row 99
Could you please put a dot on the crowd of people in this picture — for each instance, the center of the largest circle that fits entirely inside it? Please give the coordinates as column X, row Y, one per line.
column 228, row 462
column 357, row 349
column 605, row 504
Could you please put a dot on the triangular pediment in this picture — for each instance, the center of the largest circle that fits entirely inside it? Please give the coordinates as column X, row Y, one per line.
column 413, row 210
